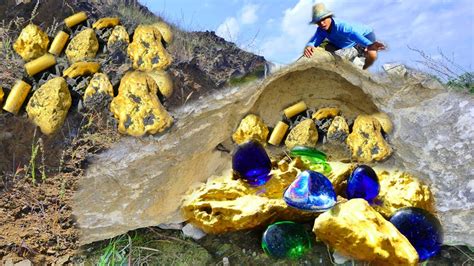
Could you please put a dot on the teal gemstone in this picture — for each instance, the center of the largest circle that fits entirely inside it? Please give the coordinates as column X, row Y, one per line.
column 314, row 154
column 286, row 240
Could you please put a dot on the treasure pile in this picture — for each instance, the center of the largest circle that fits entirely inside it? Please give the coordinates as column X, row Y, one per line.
column 383, row 216
column 79, row 68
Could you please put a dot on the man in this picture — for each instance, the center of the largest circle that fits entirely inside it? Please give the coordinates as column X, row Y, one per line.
column 343, row 37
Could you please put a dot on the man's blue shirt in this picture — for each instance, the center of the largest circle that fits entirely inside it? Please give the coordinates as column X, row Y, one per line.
column 342, row 34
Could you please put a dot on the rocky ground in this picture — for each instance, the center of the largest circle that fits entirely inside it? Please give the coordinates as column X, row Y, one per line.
column 39, row 172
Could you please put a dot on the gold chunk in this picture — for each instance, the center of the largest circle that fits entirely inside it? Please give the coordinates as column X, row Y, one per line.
column 164, row 82
column 366, row 141
column 338, row 130
column 225, row 204
column 17, row 96
column 81, row 69
column 278, row 133
column 251, row 127
column 137, row 106
column 304, row 134
column 165, row 31
column 119, row 34
column 295, row 109
column 32, row 43
column 326, row 112
column 356, row 230
column 75, row 19
column 99, row 84
column 384, row 121
column 58, row 43
column 49, row 105
column 147, row 51
column 83, row 46
column 399, row 190
column 106, row 23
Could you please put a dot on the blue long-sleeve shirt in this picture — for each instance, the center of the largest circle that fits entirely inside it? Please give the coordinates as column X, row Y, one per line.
column 342, row 34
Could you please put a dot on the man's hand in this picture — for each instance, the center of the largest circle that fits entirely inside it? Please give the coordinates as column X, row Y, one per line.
column 376, row 46
column 308, row 51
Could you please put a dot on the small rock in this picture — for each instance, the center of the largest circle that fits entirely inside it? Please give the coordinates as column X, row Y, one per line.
column 339, row 258
column 171, row 226
column 225, row 261
column 395, row 69
column 190, row 230
column 338, row 130
column 24, row 263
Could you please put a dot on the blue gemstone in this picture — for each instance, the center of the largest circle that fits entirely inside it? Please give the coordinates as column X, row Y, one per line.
column 363, row 183
column 251, row 163
column 311, row 191
column 286, row 240
column 421, row 228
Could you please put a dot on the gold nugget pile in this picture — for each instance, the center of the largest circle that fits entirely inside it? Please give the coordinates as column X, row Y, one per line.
column 353, row 227
column 136, row 106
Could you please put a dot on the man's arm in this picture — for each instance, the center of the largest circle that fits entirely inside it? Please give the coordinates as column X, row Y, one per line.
column 316, row 40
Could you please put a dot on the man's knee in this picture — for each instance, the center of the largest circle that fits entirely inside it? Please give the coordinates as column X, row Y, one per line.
column 371, row 55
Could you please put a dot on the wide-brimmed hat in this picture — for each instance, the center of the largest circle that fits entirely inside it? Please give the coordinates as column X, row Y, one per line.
column 319, row 13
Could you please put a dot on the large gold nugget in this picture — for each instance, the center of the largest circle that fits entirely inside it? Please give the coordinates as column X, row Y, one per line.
column 251, row 127
column 83, row 46
column 32, row 43
column 147, row 51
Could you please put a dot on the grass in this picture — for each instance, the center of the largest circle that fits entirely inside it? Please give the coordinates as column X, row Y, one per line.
column 148, row 247
column 255, row 75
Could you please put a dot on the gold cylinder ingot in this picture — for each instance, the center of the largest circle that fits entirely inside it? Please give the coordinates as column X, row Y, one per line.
column 39, row 64
column 17, row 96
column 58, row 43
column 278, row 133
column 75, row 19
column 295, row 109
column 1, row 95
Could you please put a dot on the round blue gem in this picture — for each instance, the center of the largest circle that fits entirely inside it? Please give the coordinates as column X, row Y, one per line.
column 251, row 163
column 286, row 240
column 311, row 191
column 421, row 228
column 363, row 183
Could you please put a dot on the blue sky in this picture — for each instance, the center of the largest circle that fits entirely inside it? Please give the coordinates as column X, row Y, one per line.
column 279, row 30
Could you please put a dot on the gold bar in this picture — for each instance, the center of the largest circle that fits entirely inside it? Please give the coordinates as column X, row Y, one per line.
column 17, row 96
column 39, row 64
column 1, row 95
column 75, row 19
column 58, row 43
column 278, row 133
column 295, row 109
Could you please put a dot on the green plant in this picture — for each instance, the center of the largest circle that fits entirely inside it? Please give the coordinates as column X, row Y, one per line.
column 36, row 146
column 115, row 253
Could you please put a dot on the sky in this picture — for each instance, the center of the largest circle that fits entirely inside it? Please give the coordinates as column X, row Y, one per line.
column 279, row 29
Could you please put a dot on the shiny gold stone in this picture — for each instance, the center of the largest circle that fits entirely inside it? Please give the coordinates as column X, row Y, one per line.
column 164, row 82
column 137, row 106
column 251, row 127
column 326, row 112
column 356, row 230
column 99, row 84
column 106, row 23
column 83, row 46
column 32, row 43
column 49, row 105
column 165, row 31
column 366, row 141
column 401, row 189
column 384, row 121
column 119, row 34
column 303, row 134
column 147, row 51
column 81, row 69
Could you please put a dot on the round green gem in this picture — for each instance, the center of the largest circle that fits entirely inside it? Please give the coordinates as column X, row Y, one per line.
column 286, row 240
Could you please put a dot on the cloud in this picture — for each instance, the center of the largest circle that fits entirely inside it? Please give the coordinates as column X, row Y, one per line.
column 249, row 14
column 294, row 32
column 229, row 29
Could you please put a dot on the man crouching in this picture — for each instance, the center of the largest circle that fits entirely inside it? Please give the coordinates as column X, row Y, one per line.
column 345, row 39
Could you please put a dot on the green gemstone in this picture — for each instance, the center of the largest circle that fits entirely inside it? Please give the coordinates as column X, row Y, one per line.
column 308, row 152
column 286, row 240
column 317, row 165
